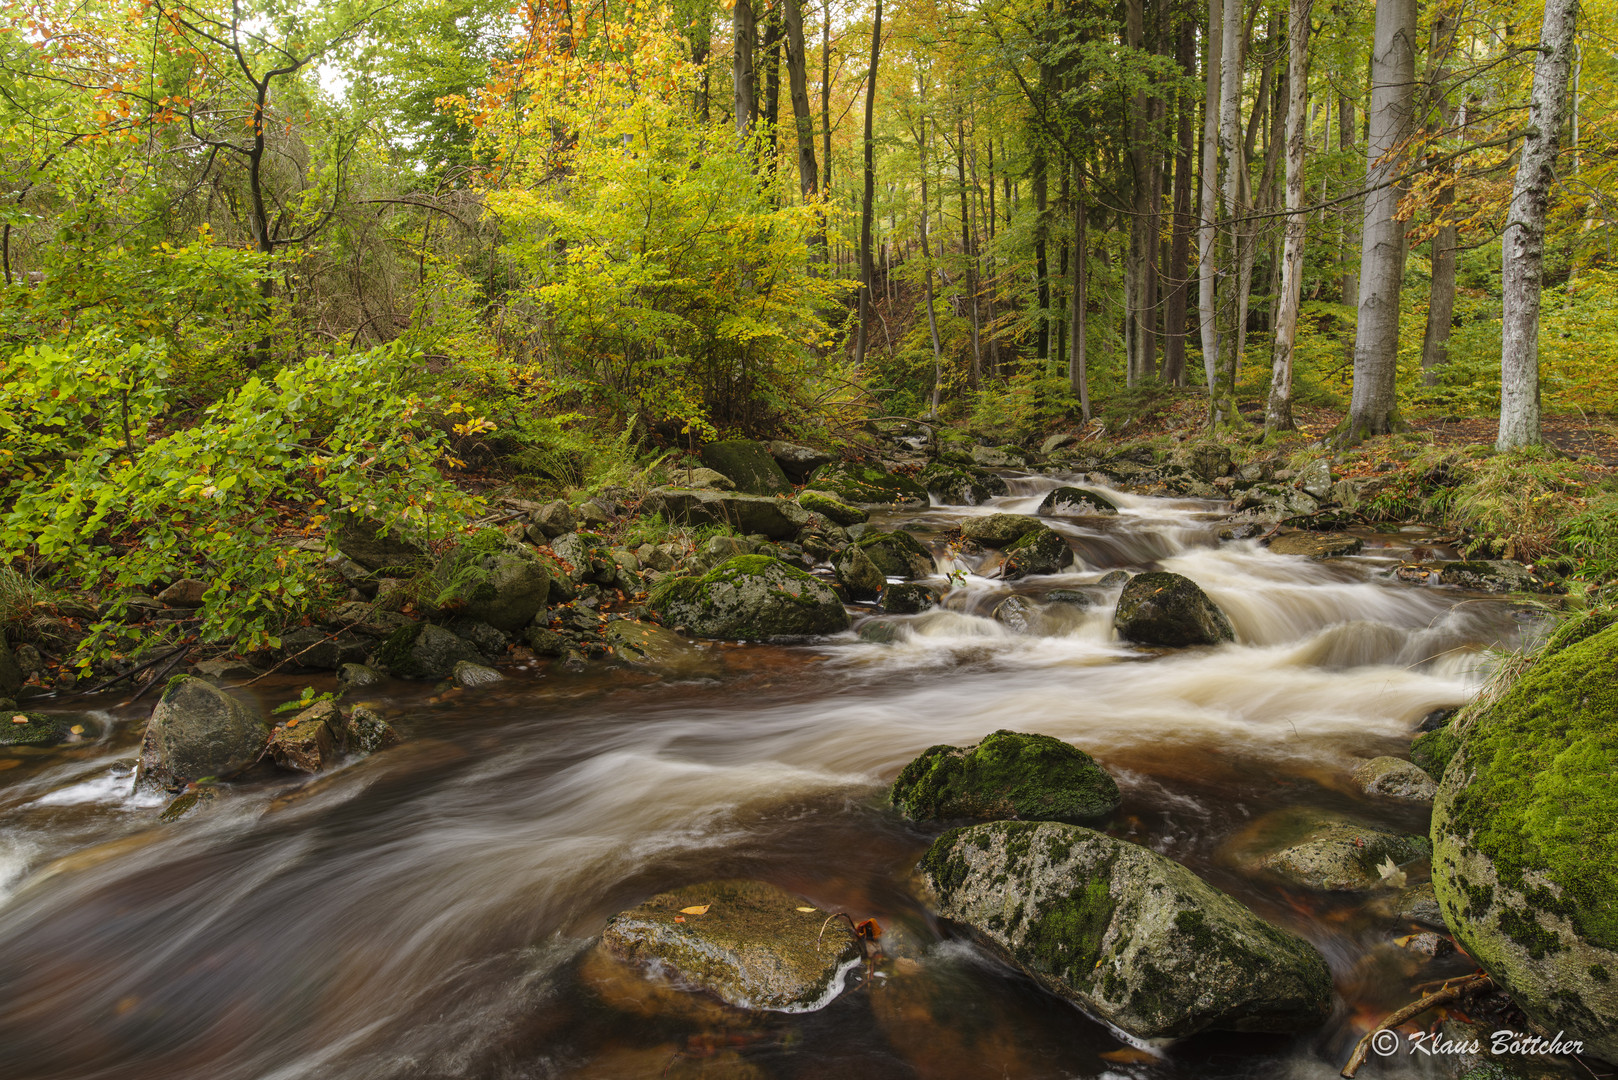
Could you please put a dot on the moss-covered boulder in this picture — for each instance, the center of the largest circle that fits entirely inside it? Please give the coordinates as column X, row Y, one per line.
column 1124, row 933
column 861, row 578
column 198, row 730
column 898, row 554
column 1076, row 502
column 1041, row 551
column 1000, row 530
column 748, row 465
column 377, row 546
column 1007, row 775
column 1495, row 576
column 1525, row 860
column 908, row 598
column 1009, row 456
column 492, row 580
column 1160, row 608
column 868, row 484
column 778, row 519
column 832, row 508
column 750, row 598
column 425, row 651
column 1431, row 751
column 1331, row 852
column 748, row 943
column 1316, row 546
column 956, row 486
column 19, row 728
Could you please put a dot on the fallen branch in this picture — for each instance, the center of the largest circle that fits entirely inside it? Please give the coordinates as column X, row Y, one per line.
column 161, row 674
column 1446, row 993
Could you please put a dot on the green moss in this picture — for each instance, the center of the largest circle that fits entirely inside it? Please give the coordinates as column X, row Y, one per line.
column 1007, row 775
column 897, row 554
column 1432, row 750
column 36, row 730
column 1522, row 927
column 1542, row 798
column 866, row 484
column 1599, row 973
column 1064, row 936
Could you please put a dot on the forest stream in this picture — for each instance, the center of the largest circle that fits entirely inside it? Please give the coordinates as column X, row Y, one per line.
column 428, row 911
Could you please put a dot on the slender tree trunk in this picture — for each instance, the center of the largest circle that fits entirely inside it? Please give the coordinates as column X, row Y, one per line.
column 701, row 48
column 968, row 252
column 1179, row 262
column 1078, row 374
column 803, row 118
column 870, row 185
column 926, row 252
column 1372, row 408
column 743, row 30
column 1441, row 294
column 1347, row 139
column 1208, row 201
column 1041, row 262
column 1278, row 410
column 772, row 84
column 1142, row 237
column 1230, row 143
column 993, row 279
column 825, row 100
column 1524, row 237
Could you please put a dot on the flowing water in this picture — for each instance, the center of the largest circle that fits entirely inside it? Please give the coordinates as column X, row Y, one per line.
column 427, row 912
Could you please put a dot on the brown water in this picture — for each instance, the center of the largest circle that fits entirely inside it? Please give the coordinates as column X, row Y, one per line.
column 426, row 912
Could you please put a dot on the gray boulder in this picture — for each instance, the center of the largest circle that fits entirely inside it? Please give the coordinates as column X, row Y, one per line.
column 1315, row 479
column 832, row 508
column 1075, row 502
column 358, row 677
column 425, row 651
column 898, row 554
column 1000, row 457
column 908, row 598
column 778, row 519
column 752, row 598
column 553, row 519
column 1316, row 546
column 1159, row 608
column 1000, row 530
column 798, row 462
column 494, row 581
column 749, row 466
column 1041, row 551
column 955, row 486
column 373, row 545
column 861, row 578
column 471, row 676
column 748, row 943
column 198, row 730
column 1124, row 933
column 185, row 593
column 1332, row 853
column 1395, row 778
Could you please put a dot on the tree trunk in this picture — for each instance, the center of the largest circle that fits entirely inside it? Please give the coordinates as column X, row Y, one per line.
column 772, row 82
column 870, row 184
column 825, row 101
column 1179, row 262
column 743, row 30
column 1230, row 143
column 1041, row 261
column 803, row 119
column 1278, row 410
column 968, row 252
column 1441, row 294
column 1138, row 336
column 1372, row 408
column 1208, row 201
column 1524, row 236
column 1347, row 139
column 1078, row 375
column 927, row 254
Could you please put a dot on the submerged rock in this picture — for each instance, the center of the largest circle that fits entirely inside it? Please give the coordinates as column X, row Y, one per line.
column 1395, row 778
column 198, row 730
column 1160, row 608
column 1000, row 530
column 1075, row 502
column 1123, row 932
column 898, row 554
column 1524, row 864
column 908, row 598
column 1317, row 545
column 1333, row 853
column 1039, row 551
column 748, row 943
column 1007, row 775
column 425, row 651
column 748, row 465
column 358, row 677
column 29, row 729
column 471, row 676
column 750, row 597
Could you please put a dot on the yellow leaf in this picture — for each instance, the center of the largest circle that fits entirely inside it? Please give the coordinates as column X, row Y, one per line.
column 803, row 909
column 700, row 909
column 23, row 720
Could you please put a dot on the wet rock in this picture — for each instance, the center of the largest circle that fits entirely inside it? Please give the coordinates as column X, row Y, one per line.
column 750, row 945
column 485, row 638
column 19, row 728
column 749, row 466
column 188, row 802
column 650, row 647
column 956, row 486
column 798, row 462
column 470, row 676
column 648, row 994
column 375, row 545
column 1316, row 545
column 1427, row 944
column 861, row 578
column 1007, row 775
column 198, row 730
column 424, row 651
column 546, row 642
column 1418, row 904
column 750, row 597
column 308, row 742
column 868, row 484
column 897, row 554
column 11, row 676
column 1124, row 933
column 492, row 580
column 908, row 598
column 225, row 671
column 778, row 519
column 1495, row 576
column 1269, row 502
column 1041, row 551
column 1000, row 530
column 1394, row 778
column 358, row 677
column 1069, row 596
column 1019, row 614
column 1437, row 719
column 1160, row 608
column 1000, row 457
column 554, row 519
column 368, row 732
column 878, row 632
column 1315, row 479
column 832, row 508
column 1076, row 502
column 1334, row 853
column 1113, row 578
column 319, row 649
column 185, row 593
column 1523, row 863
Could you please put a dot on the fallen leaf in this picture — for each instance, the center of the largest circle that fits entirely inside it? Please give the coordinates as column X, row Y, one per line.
column 1129, row 1055
column 697, row 909
column 19, row 719
column 679, row 918
column 804, row 909
column 77, row 729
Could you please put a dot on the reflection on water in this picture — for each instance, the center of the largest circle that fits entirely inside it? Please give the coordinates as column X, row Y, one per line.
column 427, row 912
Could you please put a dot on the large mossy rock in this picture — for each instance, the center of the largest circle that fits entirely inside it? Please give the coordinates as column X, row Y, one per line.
column 198, row 730
column 778, row 519
column 956, row 486
column 748, row 943
column 798, row 462
column 30, row 728
column 862, row 579
column 1331, row 852
column 898, row 554
column 832, row 508
column 1007, row 775
column 1159, row 608
column 425, row 651
column 1040, row 551
column 1124, row 933
column 868, row 484
column 749, row 598
column 375, row 545
column 494, row 581
column 1000, row 530
column 1076, row 502
column 1525, row 860
column 748, row 465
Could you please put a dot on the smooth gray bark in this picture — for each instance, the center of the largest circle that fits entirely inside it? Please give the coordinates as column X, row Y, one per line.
column 866, row 270
column 1235, row 169
column 1278, row 410
column 1078, row 371
column 1524, row 237
column 1441, row 293
column 744, row 30
column 1208, row 202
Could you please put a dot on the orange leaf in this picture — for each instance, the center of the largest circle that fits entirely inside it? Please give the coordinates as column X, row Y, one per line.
column 699, row 909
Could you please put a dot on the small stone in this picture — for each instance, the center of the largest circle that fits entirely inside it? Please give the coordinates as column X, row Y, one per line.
column 1395, row 778
column 471, row 676
column 368, row 732
column 554, row 518
column 1428, row 944
column 226, row 671
column 1112, row 579
column 306, row 743
column 185, row 593
column 358, row 677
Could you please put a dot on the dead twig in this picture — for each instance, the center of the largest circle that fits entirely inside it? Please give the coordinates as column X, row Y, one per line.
column 1450, row 991
column 178, row 655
